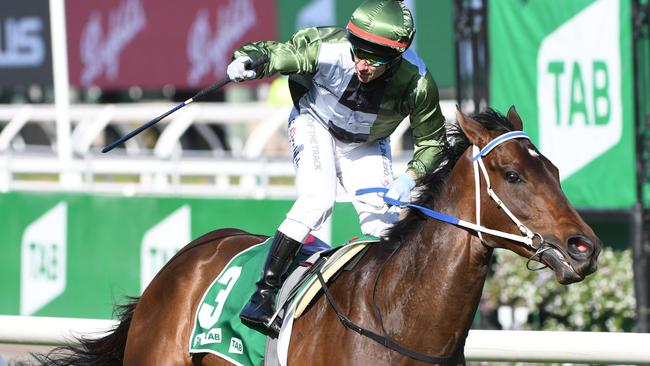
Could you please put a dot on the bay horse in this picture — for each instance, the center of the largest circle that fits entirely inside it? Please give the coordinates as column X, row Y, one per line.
column 419, row 287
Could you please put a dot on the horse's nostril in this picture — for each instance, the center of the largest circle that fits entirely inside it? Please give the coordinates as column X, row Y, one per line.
column 580, row 246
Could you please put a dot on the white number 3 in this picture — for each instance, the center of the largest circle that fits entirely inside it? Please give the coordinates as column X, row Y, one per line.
column 208, row 314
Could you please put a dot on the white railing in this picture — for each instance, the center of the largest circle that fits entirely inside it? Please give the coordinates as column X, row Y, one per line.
column 481, row 345
column 258, row 163
column 162, row 168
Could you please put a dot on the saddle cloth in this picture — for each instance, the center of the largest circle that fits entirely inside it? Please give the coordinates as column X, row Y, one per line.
column 217, row 327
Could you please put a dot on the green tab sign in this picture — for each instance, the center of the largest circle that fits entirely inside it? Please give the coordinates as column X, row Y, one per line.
column 43, row 260
column 162, row 241
column 579, row 80
column 566, row 66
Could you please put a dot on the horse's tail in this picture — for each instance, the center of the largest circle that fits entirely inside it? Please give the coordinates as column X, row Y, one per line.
column 105, row 351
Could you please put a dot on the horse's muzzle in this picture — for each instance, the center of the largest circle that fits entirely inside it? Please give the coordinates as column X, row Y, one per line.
column 584, row 253
column 574, row 259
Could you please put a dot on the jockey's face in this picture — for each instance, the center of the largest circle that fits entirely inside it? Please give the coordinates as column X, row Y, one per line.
column 366, row 72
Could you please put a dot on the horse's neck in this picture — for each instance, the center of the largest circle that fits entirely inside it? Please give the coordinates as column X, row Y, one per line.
column 445, row 268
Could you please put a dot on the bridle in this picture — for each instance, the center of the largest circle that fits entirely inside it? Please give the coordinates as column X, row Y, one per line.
column 527, row 237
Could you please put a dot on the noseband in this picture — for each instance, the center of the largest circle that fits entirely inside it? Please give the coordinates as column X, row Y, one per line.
column 528, row 238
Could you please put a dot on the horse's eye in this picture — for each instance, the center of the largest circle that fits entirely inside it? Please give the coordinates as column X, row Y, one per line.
column 513, row 177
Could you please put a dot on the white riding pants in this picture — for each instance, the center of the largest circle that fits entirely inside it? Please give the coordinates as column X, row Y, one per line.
column 320, row 160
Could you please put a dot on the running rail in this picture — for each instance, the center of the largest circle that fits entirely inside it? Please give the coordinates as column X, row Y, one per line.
column 481, row 345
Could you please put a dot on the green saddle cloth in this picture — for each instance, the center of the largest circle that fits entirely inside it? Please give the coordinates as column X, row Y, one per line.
column 217, row 328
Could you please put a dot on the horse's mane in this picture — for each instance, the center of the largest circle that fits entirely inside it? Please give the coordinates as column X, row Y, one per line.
column 431, row 184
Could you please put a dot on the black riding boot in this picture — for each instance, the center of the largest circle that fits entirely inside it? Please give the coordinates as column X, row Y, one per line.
column 260, row 308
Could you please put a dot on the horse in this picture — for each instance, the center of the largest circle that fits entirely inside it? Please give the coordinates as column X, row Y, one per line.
column 418, row 288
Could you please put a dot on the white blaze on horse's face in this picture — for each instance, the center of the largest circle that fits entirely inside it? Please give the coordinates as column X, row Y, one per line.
column 533, row 153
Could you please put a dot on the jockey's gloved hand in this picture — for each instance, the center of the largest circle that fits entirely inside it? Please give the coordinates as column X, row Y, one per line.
column 237, row 69
column 400, row 188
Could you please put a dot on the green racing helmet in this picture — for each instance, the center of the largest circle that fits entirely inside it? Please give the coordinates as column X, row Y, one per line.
column 383, row 28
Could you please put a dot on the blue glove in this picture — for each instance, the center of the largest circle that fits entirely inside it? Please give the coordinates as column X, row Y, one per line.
column 237, row 70
column 400, row 188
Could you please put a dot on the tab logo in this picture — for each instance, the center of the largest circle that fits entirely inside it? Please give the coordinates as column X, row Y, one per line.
column 43, row 260
column 236, row 346
column 579, row 88
column 161, row 242
column 213, row 336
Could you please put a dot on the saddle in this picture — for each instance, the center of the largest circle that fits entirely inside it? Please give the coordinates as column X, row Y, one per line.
column 301, row 288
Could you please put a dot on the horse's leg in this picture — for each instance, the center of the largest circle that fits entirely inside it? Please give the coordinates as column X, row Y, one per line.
column 163, row 319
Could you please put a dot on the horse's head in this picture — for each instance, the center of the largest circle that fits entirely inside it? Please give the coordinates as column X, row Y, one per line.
column 528, row 184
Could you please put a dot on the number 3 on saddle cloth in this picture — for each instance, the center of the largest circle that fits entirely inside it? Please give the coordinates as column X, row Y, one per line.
column 217, row 327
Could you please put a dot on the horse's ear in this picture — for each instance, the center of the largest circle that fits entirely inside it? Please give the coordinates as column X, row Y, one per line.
column 474, row 131
column 514, row 118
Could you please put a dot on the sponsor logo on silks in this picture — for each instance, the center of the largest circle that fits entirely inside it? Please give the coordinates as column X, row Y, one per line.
column 315, row 148
column 236, row 346
column 579, row 88
column 295, row 149
column 386, row 163
column 162, row 241
column 211, row 337
column 43, row 259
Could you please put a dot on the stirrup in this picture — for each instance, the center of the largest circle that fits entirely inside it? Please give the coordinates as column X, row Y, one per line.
column 274, row 327
column 272, row 330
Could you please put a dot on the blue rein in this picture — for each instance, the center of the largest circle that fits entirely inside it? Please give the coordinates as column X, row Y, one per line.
column 391, row 201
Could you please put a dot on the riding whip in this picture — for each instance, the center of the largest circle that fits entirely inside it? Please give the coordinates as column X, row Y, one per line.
column 219, row 84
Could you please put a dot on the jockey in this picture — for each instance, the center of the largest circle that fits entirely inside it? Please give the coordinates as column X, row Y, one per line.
column 350, row 89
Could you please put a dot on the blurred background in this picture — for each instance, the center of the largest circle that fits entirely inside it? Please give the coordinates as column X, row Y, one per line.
column 81, row 229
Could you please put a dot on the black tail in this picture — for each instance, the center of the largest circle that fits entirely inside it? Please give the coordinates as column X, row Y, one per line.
column 105, row 351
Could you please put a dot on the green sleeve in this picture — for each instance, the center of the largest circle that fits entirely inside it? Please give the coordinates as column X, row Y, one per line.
column 299, row 55
column 427, row 125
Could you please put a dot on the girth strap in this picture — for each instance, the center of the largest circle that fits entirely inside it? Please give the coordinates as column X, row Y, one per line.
column 384, row 340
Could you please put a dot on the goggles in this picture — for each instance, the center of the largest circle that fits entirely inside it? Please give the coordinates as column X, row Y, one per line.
column 370, row 58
